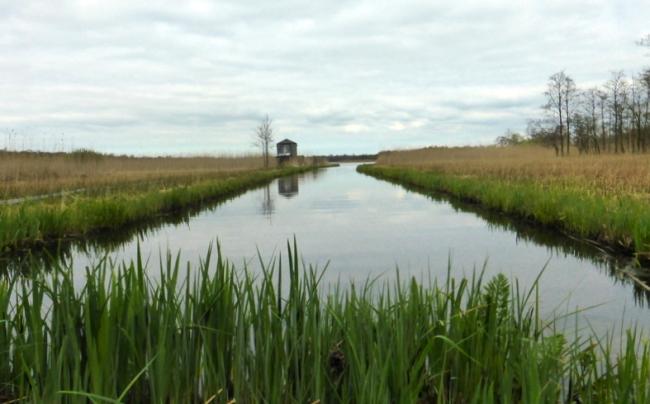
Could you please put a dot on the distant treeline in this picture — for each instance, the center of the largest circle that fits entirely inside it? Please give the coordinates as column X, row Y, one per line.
column 614, row 117
column 350, row 157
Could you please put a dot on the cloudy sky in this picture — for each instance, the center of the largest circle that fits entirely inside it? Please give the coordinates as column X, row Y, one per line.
column 172, row 77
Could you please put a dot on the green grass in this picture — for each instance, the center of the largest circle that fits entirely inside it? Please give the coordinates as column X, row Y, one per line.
column 621, row 223
column 212, row 333
column 81, row 215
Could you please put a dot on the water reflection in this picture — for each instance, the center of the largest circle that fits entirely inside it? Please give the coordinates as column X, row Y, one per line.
column 268, row 204
column 46, row 255
column 288, row 186
column 358, row 222
column 617, row 267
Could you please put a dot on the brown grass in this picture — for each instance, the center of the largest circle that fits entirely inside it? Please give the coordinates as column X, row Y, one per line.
column 29, row 173
column 604, row 174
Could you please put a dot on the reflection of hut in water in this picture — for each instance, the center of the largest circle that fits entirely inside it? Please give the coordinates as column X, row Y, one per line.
column 286, row 150
column 288, row 186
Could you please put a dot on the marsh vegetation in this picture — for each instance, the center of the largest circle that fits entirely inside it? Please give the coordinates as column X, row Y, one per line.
column 111, row 331
column 602, row 198
column 85, row 192
column 24, row 173
column 210, row 332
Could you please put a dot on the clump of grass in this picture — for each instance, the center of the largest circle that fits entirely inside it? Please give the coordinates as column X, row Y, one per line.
column 212, row 333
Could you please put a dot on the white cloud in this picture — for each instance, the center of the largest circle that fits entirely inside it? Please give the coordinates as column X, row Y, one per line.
column 397, row 126
column 164, row 76
column 355, row 128
column 414, row 124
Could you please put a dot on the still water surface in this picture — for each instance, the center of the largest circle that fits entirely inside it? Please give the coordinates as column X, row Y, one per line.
column 365, row 228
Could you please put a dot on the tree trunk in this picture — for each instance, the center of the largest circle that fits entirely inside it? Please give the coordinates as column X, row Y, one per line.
column 568, row 127
column 559, row 109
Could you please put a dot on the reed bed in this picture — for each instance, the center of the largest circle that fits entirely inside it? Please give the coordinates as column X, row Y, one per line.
column 213, row 333
column 605, row 174
column 34, row 173
column 602, row 198
column 79, row 215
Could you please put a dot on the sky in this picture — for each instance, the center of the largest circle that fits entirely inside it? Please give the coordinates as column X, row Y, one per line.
column 196, row 77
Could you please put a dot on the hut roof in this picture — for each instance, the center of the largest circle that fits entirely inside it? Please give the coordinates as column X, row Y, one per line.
column 287, row 141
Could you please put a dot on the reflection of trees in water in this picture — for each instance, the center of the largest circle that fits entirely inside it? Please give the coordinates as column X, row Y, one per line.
column 315, row 174
column 614, row 265
column 268, row 204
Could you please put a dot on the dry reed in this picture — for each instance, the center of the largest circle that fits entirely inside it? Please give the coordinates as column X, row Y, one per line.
column 607, row 174
column 30, row 173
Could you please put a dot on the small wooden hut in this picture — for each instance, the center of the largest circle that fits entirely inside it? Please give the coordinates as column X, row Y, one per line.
column 286, row 150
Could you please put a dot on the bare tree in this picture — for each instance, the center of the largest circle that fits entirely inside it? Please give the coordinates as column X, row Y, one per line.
column 635, row 106
column 643, row 117
column 264, row 138
column 590, row 99
column 569, row 96
column 618, row 92
column 614, row 118
column 582, row 132
column 602, row 103
column 556, row 104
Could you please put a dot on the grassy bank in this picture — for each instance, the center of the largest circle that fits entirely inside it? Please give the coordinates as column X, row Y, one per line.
column 211, row 333
column 566, row 194
column 83, row 214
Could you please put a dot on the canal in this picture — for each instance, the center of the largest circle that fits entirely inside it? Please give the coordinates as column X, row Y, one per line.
column 362, row 228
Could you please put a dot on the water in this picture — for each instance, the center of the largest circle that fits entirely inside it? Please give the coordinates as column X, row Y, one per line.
column 363, row 227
